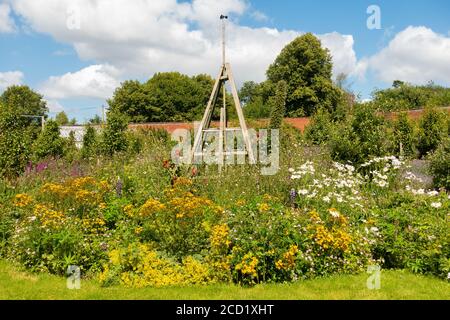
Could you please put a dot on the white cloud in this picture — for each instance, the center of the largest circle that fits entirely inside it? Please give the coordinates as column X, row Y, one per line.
column 142, row 37
column 10, row 78
column 54, row 106
column 341, row 49
column 259, row 16
column 96, row 81
column 416, row 55
column 7, row 24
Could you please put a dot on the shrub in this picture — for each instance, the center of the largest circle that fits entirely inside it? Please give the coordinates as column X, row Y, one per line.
column 90, row 143
column 278, row 105
column 414, row 233
column 432, row 129
column 360, row 137
column 139, row 265
column 49, row 143
column 440, row 165
column 177, row 223
column 15, row 145
column 319, row 129
column 403, row 136
column 113, row 136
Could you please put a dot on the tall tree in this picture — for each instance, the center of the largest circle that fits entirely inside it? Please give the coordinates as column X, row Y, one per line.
column 307, row 69
column 113, row 136
column 279, row 105
column 15, row 144
column 49, row 142
column 62, row 119
column 24, row 101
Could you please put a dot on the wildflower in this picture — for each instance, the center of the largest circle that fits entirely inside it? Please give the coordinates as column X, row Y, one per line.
column 292, row 195
column 22, row 200
column 149, row 207
column 432, row 193
column 334, row 213
column 263, row 207
column 436, row 205
column 303, row 192
column 326, row 199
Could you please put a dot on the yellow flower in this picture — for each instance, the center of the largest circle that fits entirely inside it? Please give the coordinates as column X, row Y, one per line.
column 138, row 230
column 263, row 207
column 22, row 200
column 219, row 236
column 151, row 206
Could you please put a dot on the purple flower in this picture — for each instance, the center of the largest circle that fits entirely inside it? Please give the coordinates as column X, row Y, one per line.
column 292, row 195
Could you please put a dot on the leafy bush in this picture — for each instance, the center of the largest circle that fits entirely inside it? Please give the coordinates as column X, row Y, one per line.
column 278, row 105
column 113, row 136
column 319, row 129
column 360, row 137
column 414, row 231
column 90, row 143
column 15, row 144
column 440, row 165
column 404, row 137
column 432, row 129
column 49, row 143
column 139, row 265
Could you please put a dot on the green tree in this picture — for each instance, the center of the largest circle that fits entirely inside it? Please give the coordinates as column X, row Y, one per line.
column 113, row 137
column 62, row 119
column 278, row 105
column 255, row 99
column 403, row 133
column 24, row 101
column 440, row 165
column 319, row 129
column 432, row 129
column 168, row 96
column 15, row 144
column 49, row 142
column 307, row 69
column 95, row 120
column 90, row 142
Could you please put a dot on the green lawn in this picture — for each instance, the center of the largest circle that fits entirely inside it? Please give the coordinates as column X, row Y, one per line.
column 16, row 284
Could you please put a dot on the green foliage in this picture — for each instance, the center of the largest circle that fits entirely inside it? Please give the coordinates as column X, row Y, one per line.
column 414, row 234
column 432, row 129
column 15, row 144
column 49, row 142
column 24, row 101
column 90, row 143
column 70, row 147
column 360, row 137
column 404, row 96
column 278, row 105
column 440, row 165
column 320, row 127
column 169, row 96
column 62, row 119
column 307, row 69
column 403, row 134
column 113, row 135
column 255, row 99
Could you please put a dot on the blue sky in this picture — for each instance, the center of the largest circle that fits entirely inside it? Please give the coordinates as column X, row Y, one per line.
column 77, row 68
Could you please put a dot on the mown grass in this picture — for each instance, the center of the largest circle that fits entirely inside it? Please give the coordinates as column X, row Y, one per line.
column 15, row 284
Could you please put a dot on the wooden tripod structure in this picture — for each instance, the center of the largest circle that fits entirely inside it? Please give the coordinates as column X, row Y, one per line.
column 224, row 75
